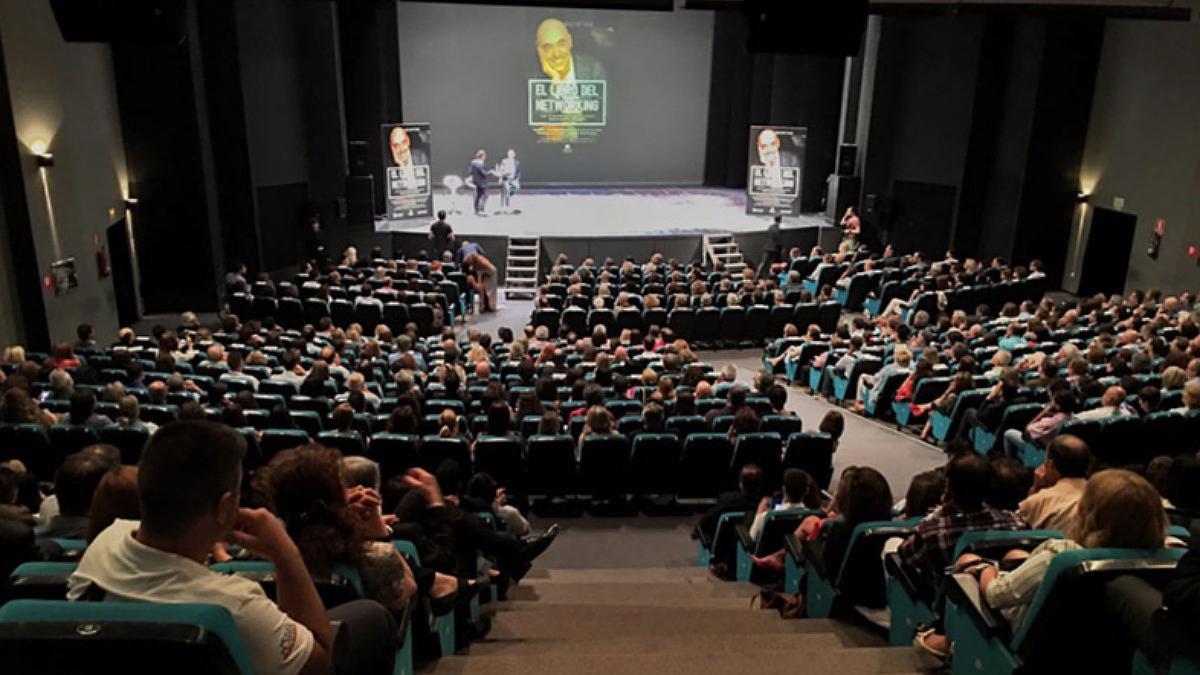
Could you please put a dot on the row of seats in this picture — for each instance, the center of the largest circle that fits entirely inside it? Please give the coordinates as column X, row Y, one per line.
column 706, row 326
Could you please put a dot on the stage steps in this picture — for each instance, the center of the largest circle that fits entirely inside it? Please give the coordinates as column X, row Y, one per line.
column 521, row 270
column 724, row 249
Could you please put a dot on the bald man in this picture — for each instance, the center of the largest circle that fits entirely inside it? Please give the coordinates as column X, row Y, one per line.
column 559, row 61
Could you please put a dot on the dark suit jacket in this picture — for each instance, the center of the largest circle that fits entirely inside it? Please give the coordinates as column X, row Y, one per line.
column 588, row 68
column 478, row 174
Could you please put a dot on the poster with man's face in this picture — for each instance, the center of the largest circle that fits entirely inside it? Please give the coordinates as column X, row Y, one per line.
column 568, row 97
column 774, row 175
column 409, row 187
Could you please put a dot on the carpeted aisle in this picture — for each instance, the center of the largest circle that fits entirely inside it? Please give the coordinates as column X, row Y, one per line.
column 663, row 620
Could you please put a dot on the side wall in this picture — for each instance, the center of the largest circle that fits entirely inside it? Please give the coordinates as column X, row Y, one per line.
column 64, row 94
column 1143, row 145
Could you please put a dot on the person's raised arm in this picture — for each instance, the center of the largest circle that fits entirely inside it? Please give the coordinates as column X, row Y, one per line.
column 260, row 532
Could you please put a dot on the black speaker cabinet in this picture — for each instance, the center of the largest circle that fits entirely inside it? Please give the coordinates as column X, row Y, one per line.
column 360, row 201
column 357, row 156
column 847, row 159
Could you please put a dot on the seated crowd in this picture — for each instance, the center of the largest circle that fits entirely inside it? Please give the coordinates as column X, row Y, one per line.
column 1077, row 418
column 404, row 456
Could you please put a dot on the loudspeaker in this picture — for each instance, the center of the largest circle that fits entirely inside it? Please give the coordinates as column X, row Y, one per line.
column 833, row 27
column 360, row 201
column 159, row 22
column 847, row 159
column 843, row 192
column 357, row 156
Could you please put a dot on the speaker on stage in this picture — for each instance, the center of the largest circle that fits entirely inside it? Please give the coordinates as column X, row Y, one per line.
column 843, row 192
column 847, row 159
column 832, row 27
column 160, row 22
column 357, row 156
column 360, row 201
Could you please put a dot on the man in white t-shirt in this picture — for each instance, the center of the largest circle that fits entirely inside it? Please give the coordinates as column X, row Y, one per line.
column 189, row 484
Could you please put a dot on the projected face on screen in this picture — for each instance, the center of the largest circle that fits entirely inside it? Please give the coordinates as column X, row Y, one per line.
column 554, row 49
column 586, row 96
column 568, row 98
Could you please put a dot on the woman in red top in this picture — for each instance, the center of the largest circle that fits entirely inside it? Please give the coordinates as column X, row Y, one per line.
column 63, row 357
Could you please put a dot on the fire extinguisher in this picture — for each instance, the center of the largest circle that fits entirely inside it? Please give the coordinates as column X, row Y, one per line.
column 103, row 264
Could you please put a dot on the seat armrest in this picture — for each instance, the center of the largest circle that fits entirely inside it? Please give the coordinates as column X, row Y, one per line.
column 404, row 621
column 793, row 548
column 814, row 554
column 743, row 534
column 963, row 590
column 896, row 570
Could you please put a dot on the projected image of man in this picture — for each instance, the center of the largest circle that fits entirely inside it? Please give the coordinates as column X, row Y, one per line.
column 555, row 49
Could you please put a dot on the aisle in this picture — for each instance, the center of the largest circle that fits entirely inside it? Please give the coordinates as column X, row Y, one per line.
column 663, row 620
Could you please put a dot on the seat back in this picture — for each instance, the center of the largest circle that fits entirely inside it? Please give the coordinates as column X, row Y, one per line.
column 732, row 325
column 395, row 453
column 860, row 580
column 682, row 321
column 31, row 444
column 1123, row 441
column 66, row 439
column 1067, row 612
column 654, row 464
column 811, row 451
column 604, row 465
column 1172, row 434
column 435, row 450
column 827, row 316
column 1087, row 430
column 777, row 525
column 274, row 441
column 39, row 581
column 500, row 458
column 704, row 465
column 550, row 465
column 707, row 323
column 762, row 448
column 46, row 636
column 348, row 442
column 685, row 425
column 784, row 425
column 129, row 440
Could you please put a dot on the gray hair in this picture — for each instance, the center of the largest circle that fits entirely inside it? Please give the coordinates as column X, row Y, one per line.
column 358, row 470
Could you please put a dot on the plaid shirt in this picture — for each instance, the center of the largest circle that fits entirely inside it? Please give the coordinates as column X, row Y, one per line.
column 930, row 549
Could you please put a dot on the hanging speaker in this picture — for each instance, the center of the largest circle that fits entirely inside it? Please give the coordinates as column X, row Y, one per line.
column 832, row 27
column 847, row 159
column 360, row 201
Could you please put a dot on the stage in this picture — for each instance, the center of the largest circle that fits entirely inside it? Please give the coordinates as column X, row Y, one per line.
column 610, row 212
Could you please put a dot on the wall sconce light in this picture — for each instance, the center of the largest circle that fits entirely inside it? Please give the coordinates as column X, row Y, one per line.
column 40, row 154
column 131, row 203
column 1082, row 197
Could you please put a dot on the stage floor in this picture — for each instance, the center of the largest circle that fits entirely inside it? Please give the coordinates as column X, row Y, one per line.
column 604, row 212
